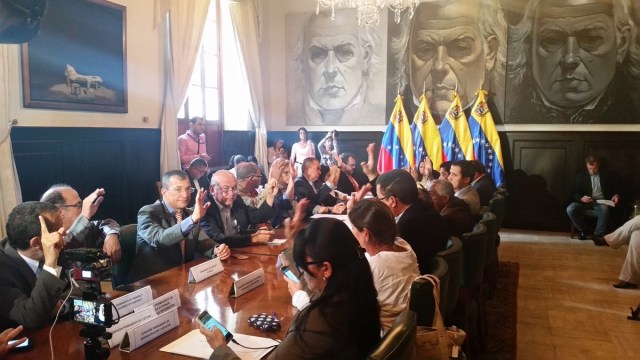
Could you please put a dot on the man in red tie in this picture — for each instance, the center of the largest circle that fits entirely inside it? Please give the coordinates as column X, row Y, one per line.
column 169, row 233
column 347, row 182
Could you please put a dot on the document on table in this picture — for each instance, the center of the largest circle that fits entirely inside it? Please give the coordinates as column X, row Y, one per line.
column 339, row 217
column 277, row 242
column 195, row 345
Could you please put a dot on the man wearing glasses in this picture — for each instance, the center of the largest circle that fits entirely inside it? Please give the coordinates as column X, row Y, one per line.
column 347, row 182
column 76, row 217
column 418, row 224
column 169, row 233
column 249, row 179
column 229, row 220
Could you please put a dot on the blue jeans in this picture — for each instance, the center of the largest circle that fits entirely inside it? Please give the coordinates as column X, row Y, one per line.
column 577, row 212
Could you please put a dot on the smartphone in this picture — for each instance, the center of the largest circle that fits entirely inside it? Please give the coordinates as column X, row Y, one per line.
column 288, row 273
column 92, row 312
column 24, row 346
column 209, row 322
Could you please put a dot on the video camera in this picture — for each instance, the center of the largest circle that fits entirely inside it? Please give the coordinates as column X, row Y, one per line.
column 86, row 267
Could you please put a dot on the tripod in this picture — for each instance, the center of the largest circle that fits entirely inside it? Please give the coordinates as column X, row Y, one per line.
column 96, row 346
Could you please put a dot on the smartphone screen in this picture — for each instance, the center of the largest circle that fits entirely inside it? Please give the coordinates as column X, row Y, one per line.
column 209, row 322
column 24, row 345
column 92, row 312
column 288, row 273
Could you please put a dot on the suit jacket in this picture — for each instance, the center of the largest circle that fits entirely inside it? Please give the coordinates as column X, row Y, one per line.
column 85, row 233
column 244, row 216
column 302, row 189
column 425, row 230
column 583, row 187
column 458, row 217
column 344, row 184
column 25, row 300
column 485, row 188
column 158, row 241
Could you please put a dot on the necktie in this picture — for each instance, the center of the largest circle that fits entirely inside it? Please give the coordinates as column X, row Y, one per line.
column 229, row 226
column 354, row 183
column 39, row 270
column 182, row 242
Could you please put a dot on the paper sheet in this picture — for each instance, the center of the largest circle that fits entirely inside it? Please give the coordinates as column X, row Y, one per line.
column 339, row 217
column 277, row 242
column 195, row 345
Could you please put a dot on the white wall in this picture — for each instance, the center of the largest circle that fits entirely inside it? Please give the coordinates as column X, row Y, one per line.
column 144, row 80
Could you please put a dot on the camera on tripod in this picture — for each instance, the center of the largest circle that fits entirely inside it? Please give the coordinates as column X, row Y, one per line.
column 92, row 309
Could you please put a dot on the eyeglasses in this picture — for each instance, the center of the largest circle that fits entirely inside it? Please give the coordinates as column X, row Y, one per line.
column 77, row 205
column 228, row 190
column 178, row 189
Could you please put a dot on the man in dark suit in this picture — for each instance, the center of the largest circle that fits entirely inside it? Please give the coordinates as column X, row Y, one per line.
column 421, row 226
column 309, row 186
column 197, row 173
column 591, row 186
column 169, row 233
column 348, row 182
column 454, row 211
column 76, row 219
column 229, row 220
column 30, row 281
column 483, row 183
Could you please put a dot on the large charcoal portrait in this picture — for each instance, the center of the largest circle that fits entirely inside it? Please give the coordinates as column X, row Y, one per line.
column 573, row 62
column 449, row 45
column 335, row 69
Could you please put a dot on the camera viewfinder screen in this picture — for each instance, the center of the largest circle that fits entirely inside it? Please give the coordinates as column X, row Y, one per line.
column 89, row 312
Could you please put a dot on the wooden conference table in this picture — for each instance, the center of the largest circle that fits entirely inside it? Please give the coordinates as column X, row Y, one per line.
column 210, row 294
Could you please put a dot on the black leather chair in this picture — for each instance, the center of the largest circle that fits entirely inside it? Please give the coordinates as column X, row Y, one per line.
column 400, row 341
column 454, row 257
column 422, row 301
column 498, row 204
column 490, row 257
column 120, row 271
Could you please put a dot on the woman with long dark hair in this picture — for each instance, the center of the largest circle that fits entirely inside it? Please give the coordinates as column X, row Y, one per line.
column 393, row 263
column 342, row 320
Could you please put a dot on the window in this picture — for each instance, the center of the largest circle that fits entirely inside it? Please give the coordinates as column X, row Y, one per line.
column 204, row 96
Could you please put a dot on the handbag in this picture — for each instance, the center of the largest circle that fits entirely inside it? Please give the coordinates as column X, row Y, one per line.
column 437, row 342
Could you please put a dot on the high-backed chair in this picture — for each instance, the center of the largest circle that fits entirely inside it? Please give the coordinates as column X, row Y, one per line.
column 399, row 342
column 453, row 255
column 422, row 301
column 498, row 204
column 120, row 270
column 490, row 256
column 471, row 301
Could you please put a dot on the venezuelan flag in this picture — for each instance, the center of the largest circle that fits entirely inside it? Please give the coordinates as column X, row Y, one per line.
column 454, row 131
column 396, row 150
column 426, row 137
column 486, row 142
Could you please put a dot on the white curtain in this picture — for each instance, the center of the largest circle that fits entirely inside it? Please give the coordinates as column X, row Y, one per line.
column 245, row 15
column 183, row 23
column 10, row 194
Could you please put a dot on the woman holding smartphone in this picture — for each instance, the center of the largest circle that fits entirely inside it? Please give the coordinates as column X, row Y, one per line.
column 342, row 321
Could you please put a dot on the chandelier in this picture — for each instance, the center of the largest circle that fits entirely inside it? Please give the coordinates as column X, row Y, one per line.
column 368, row 11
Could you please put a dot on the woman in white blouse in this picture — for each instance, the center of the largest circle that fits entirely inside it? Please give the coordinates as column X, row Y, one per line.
column 301, row 150
column 393, row 263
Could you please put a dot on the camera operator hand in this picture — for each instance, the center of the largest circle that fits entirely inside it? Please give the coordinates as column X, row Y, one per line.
column 8, row 335
column 91, row 203
column 51, row 243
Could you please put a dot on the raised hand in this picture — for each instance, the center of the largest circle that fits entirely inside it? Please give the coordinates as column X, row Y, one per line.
column 369, row 167
column 91, row 203
column 271, row 189
column 201, row 205
column 294, row 225
column 357, row 196
column 51, row 243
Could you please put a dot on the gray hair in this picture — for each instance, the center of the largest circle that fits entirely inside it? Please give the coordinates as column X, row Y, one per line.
column 367, row 37
column 442, row 188
column 520, row 38
column 181, row 175
column 491, row 22
column 53, row 195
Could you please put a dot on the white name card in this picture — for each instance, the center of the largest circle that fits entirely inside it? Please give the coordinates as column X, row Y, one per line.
column 163, row 303
column 247, row 283
column 128, row 322
column 149, row 330
column 126, row 303
column 205, row 270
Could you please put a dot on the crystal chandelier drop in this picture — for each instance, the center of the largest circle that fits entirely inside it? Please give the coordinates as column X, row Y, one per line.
column 368, row 11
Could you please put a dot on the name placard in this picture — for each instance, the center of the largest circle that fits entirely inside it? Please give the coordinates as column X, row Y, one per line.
column 128, row 322
column 149, row 330
column 163, row 303
column 247, row 283
column 126, row 303
column 205, row 270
